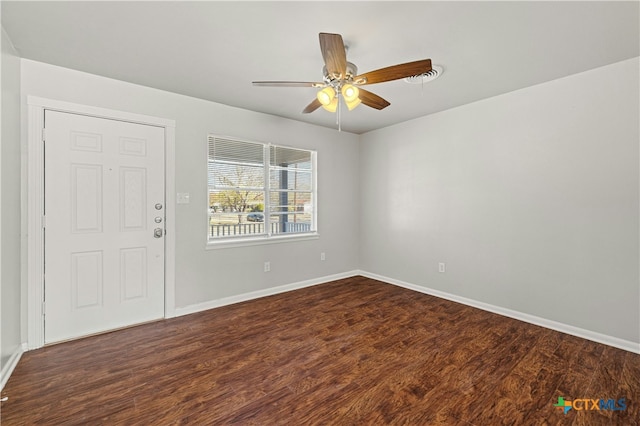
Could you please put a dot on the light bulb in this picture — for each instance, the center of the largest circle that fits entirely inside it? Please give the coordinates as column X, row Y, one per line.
column 350, row 93
column 326, row 96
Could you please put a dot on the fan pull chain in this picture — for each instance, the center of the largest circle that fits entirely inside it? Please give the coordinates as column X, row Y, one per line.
column 339, row 114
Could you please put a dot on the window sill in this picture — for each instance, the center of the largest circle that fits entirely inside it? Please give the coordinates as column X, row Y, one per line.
column 244, row 242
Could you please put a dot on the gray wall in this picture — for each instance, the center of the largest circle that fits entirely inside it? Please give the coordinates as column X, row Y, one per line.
column 530, row 198
column 208, row 275
column 10, row 267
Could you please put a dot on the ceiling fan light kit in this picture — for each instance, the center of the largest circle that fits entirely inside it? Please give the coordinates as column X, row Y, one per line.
column 328, row 97
column 341, row 78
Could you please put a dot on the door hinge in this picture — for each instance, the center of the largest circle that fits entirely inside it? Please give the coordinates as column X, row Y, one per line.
column 44, row 134
column 43, row 309
column 44, row 222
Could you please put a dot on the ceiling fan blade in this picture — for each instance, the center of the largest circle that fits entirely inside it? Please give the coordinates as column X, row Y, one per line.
column 372, row 100
column 334, row 54
column 288, row 83
column 394, row 72
column 312, row 106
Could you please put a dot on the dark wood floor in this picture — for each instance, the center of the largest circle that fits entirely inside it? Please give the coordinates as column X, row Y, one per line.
column 350, row 352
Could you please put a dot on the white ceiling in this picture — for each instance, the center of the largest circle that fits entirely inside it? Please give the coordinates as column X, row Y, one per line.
column 213, row 50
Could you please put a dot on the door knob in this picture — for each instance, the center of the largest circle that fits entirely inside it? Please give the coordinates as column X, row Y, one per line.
column 157, row 233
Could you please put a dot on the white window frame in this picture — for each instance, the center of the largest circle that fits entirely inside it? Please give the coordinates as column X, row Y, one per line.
column 267, row 237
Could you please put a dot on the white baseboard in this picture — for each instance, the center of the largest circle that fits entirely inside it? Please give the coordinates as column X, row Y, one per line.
column 8, row 368
column 190, row 309
column 616, row 342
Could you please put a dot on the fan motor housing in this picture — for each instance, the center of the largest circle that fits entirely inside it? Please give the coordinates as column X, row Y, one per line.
column 352, row 71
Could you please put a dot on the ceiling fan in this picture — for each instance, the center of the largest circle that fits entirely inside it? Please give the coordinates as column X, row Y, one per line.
column 341, row 78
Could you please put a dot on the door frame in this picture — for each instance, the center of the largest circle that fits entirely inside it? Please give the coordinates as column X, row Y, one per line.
column 36, row 107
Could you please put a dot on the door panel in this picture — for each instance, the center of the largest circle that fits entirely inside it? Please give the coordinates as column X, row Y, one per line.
column 133, row 273
column 86, row 198
column 104, row 269
column 133, row 203
column 86, row 279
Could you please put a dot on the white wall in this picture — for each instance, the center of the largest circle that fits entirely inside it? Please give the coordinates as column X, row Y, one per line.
column 208, row 275
column 10, row 268
column 530, row 198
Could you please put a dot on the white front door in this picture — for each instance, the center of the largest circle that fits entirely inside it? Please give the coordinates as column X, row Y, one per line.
column 104, row 224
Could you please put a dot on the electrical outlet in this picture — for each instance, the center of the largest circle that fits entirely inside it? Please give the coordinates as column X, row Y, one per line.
column 267, row 266
column 322, row 256
column 442, row 267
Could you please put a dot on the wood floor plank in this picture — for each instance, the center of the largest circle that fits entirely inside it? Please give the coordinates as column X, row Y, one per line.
column 350, row 352
column 627, row 389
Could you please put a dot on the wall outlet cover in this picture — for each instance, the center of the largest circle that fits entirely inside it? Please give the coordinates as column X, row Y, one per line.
column 182, row 198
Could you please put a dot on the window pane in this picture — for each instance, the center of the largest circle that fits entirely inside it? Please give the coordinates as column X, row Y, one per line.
column 221, row 149
column 281, row 156
column 290, row 196
column 290, row 223
column 235, row 201
column 228, row 175
column 290, row 178
column 285, row 201
column 236, row 213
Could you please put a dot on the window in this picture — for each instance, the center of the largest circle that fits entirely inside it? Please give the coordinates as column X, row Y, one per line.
column 259, row 190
